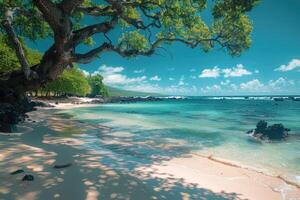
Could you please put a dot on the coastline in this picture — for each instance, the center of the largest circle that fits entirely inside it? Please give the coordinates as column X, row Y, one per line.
column 219, row 177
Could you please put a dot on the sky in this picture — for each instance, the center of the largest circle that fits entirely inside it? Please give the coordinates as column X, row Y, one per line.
column 270, row 66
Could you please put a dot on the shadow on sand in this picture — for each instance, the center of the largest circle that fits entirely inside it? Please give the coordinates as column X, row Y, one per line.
column 106, row 163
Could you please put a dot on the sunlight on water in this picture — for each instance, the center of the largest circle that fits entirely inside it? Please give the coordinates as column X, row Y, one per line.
column 212, row 127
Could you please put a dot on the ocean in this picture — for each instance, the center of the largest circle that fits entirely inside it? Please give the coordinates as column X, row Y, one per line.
column 207, row 126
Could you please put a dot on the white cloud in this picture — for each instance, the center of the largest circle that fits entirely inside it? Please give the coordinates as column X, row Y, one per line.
column 237, row 71
column 256, row 71
column 253, row 85
column 107, row 70
column 211, row 89
column 233, row 87
column 139, row 71
column 181, row 81
column 155, row 78
column 119, row 79
column 226, row 82
column 171, row 79
column 210, row 73
column 280, row 84
column 293, row 64
column 114, row 76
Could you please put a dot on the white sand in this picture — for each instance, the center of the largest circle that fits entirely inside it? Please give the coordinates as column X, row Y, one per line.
column 106, row 174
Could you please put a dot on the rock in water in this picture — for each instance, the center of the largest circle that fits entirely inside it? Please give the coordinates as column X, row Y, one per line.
column 273, row 132
column 28, row 177
column 62, row 166
column 17, row 172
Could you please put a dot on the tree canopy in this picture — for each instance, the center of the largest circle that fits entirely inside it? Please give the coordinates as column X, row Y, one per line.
column 142, row 27
column 97, row 86
column 71, row 82
column 8, row 60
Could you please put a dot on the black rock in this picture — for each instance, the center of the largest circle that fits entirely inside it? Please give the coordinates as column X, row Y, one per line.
column 273, row 132
column 17, row 172
column 28, row 177
column 41, row 103
column 62, row 166
column 278, row 99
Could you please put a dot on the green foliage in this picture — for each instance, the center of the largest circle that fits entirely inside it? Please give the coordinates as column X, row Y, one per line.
column 8, row 58
column 27, row 19
column 97, row 86
column 71, row 82
column 133, row 40
column 181, row 19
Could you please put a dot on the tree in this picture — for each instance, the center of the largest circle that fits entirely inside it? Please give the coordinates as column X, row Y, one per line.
column 143, row 27
column 71, row 82
column 9, row 61
column 97, row 86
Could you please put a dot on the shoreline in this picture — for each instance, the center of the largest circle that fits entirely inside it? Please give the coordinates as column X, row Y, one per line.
column 209, row 157
column 249, row 168
column 177, row 167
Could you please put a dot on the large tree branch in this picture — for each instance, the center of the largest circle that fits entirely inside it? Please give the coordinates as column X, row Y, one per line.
column 50, row 11
column 7, row 24
column 58, row 20
column 97, row 11
column 68, row 6
column 86, row 32
column 94, row 53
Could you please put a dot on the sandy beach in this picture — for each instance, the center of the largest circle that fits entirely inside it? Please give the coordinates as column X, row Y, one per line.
column 49, row 139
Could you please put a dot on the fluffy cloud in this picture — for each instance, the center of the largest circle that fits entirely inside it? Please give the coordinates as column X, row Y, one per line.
column 181, row 81
column 114, row 76
column 171, row 79
column 211, row 89
column 107, row 70
column 139, row 71
column 253, row 85
column 210, row 73
column 281, row 83
column 155, row 78
column 120, row 79
column 226, row 82
column 237, row 71
column 293, row 64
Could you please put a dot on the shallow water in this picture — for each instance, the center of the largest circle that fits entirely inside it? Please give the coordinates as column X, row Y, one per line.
column 207, row 126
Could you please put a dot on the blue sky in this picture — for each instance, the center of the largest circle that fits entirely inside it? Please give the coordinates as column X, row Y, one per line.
column 270, row 66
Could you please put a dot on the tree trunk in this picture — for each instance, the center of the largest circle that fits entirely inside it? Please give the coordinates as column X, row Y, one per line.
column 13, row 100
column 13, row 106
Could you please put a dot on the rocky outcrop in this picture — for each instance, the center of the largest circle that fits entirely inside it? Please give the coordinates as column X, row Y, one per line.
column 37, row 103
column 273, row 132
column 132, row 99
column 13, row 112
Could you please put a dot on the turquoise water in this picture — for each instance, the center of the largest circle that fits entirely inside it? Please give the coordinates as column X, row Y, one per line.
column 207, row 126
